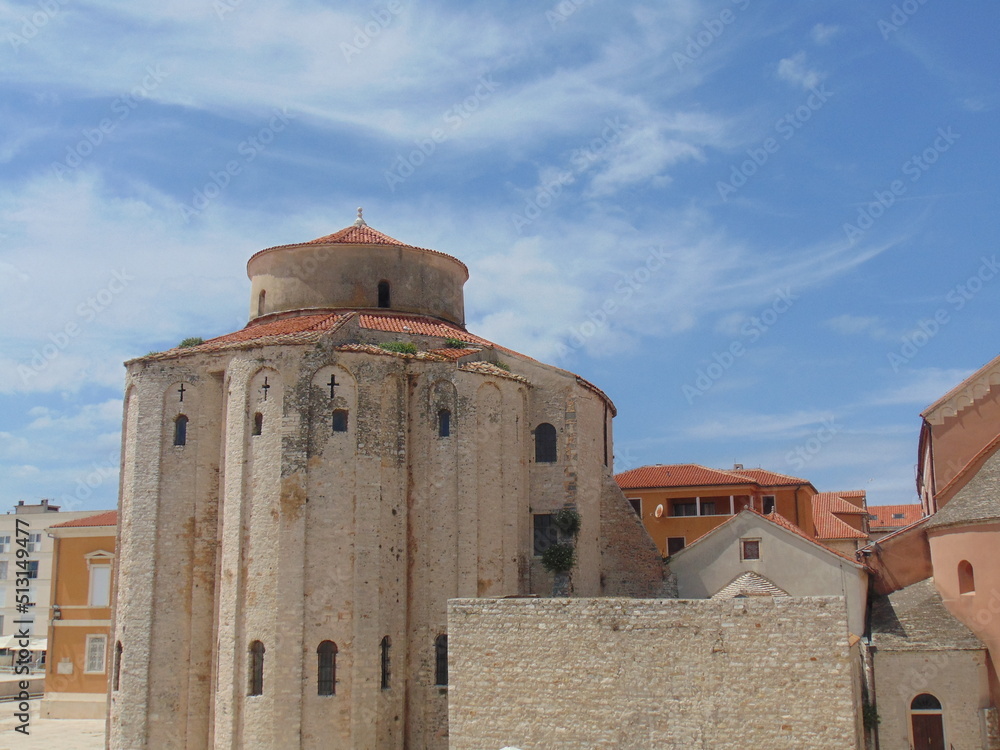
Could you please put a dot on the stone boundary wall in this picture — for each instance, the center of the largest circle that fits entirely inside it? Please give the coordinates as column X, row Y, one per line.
column 547, row 674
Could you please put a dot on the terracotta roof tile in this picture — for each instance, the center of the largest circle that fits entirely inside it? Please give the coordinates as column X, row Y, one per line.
column 449, row 353
column 359, row 235
column 884, row 515
column 356, row 235
column 834, row 502
column 769, row 478
column 785, row 523
column 677, row 475
column 107, row 518
column 419, row 325
column 488, row 368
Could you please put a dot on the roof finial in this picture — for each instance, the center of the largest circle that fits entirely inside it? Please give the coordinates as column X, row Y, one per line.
column 360, row 221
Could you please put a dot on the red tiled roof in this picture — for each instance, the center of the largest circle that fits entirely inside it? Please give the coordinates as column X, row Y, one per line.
column 834, row 502
column 884, row 515
column 359, row 235
column 784, row 522
column 356, row 235
column 107, row 518
column 828, row 526
column 449, row 353
column 770, row 478
column 677, row 475
column 417, row 324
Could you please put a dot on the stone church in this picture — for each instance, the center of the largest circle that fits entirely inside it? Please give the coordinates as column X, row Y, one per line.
column 301, row 498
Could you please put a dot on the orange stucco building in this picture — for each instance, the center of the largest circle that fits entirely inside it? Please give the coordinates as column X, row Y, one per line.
column 79, row 662
column 680, row 503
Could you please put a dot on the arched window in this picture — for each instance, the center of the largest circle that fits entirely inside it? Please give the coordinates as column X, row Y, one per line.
column 326, row 668
column 386, row 645
column 441, row 660
column 340, row 420
column 260, row 302
column 927, row 722
column 966, row 578
column 256, row 670
column 384, row 296
column 444, row 423
column 180, row 430
column 117, row 667
column 258, row 424
column 545, row 444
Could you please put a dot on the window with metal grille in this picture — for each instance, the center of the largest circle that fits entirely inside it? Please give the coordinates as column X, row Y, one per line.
column 256, row 670
column 545, row 444
column 326, row 668
column 441, row 660
column 385, row 647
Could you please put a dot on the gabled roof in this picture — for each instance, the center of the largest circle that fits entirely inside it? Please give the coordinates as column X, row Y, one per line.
column 883, row 515
column 677, row 475
column 826, row 506
column 778, row 520
column 696, row 475
column 915, row 619
column 770, row 478
column 977, row 502
column 107, row 518
column 749, row 584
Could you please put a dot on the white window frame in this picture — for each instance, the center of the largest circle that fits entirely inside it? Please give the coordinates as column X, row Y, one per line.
column 5, row 543
column 35, row 541
column 3, row 570
column 104, row 654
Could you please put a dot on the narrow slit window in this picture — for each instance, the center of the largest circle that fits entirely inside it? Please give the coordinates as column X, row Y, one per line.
column 384, row 294
column 444, row 423
column 117, row 674
column 260, row 302
column 180, row 430
column 545, row 444
column 441, row 660
column 340, row 420
column 258, row 424
column 326, row 668
column 256, row 686
column 384, row 649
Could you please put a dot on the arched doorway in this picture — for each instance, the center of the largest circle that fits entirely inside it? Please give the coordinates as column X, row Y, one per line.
column 927, row 721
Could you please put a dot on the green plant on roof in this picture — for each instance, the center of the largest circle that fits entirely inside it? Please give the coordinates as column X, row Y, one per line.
column 502, row 365
column 402, row 347
column 191, row 341
column 451, row 343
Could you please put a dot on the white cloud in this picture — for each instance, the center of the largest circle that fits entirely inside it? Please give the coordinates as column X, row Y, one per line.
column 822, row 33
column 853, row 325
column 794, row 70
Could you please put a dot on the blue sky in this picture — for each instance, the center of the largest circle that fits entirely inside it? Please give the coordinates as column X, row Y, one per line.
column 768, row 230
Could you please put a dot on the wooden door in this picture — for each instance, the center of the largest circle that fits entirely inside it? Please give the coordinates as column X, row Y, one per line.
column 928, row 732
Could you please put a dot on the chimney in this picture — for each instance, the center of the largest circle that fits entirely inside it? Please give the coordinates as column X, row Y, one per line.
column 737, row 467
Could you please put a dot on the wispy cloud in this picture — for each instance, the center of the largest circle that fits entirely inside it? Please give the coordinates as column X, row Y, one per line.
column 795, row 71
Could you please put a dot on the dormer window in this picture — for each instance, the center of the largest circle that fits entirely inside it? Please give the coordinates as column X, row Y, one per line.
column 384, row 296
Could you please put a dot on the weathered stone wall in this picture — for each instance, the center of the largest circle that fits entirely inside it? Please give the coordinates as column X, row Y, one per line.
column 957, row 678
column 629, row 673
column 630, row 560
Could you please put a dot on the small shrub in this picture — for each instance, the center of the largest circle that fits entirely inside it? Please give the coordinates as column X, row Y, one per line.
column 559, row 557
column 451, row 343
column 401, row 347
column 191, row 341
column 567, row 521
column 503, row 366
